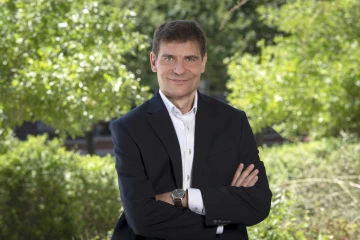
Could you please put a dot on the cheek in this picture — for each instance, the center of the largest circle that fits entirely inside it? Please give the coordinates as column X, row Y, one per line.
column 164, row 70
column 196, row 72
column 160, row 73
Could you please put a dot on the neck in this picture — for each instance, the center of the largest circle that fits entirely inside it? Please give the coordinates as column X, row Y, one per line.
column 184, row 104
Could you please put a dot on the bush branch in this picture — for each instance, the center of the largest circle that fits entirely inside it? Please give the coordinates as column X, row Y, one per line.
column 228, row 14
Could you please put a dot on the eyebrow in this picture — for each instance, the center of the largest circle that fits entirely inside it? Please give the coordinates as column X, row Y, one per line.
column 189, row 56
column 192, row 56
column 167, row 55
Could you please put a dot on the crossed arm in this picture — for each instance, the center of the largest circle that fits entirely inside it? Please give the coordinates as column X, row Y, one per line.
column 241, row 203
column 246, row 178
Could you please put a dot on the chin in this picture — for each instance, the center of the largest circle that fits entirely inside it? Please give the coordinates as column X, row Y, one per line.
column 181, row 92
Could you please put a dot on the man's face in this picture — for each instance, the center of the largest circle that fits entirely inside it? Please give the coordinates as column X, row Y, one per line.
column 178, row 66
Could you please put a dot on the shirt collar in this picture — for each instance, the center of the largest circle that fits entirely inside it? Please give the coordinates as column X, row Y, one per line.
column 169, row 106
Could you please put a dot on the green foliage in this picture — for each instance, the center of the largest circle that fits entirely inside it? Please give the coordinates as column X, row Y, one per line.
column 309, row 80
column 227, row 32
column 62, row 62
column 50, row 193
column 316, row 190
column 286, row 221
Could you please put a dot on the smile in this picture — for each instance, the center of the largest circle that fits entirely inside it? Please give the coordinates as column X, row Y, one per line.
column 178, row 80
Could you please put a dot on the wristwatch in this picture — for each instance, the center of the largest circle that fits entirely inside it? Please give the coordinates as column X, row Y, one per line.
column 177, row 196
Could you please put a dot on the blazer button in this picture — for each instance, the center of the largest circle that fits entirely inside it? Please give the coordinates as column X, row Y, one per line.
column 215, row 221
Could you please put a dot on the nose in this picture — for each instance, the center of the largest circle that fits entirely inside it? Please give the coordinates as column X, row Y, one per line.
column 179, row 68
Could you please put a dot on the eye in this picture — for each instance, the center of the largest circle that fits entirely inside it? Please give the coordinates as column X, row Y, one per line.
column 191, row 59
column 168, row 58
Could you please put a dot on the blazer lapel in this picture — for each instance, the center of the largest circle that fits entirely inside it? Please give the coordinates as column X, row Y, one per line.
column 204, row 125
column 162, row 125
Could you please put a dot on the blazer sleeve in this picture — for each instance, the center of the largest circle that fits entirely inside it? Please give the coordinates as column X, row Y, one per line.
column 240, row 205
column 145, row 215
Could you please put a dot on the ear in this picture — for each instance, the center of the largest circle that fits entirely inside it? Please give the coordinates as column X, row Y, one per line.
column 153, row 61
column 203, row 64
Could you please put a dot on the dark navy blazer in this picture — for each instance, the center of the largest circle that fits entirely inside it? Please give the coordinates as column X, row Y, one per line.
column 148, row 162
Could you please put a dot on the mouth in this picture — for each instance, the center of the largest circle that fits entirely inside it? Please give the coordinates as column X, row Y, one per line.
column 179, row 81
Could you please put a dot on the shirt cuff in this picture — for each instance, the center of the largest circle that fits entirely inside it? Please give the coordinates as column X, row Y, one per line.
column 195, row 201
column 220, row 229
column 196, row 205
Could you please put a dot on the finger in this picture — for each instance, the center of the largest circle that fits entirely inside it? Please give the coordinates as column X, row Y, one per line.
column 250, row 177
column 237, row 174
column 253, row 181
column 244, row 175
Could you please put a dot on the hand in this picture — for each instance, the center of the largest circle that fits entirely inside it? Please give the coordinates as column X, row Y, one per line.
column 166, row 197
column 248, row 178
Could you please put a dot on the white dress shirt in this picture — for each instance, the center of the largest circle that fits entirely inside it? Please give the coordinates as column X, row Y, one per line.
column 184, row 125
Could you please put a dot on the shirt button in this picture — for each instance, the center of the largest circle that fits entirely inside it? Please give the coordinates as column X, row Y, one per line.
column 188, row 177
column 189, row 151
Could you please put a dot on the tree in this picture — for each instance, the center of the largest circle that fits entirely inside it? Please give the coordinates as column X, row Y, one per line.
column 308, row 82
column 62, row 62
column 227, row 32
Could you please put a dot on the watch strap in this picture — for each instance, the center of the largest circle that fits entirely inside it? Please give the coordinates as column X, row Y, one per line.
column 178, row 202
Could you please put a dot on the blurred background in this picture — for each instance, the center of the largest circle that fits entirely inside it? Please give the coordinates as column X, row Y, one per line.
column 68, row 67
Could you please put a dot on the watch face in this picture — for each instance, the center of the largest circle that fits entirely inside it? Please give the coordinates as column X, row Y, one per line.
column 178, row 193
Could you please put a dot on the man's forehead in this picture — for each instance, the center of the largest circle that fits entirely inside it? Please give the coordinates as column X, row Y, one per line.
column 190, row 46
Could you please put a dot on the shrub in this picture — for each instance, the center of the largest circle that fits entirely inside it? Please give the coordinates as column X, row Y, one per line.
column 316, row 190
column 50, row 193
column 287, row 221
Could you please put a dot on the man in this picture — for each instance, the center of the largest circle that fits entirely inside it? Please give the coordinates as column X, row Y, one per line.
column 187, row 164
